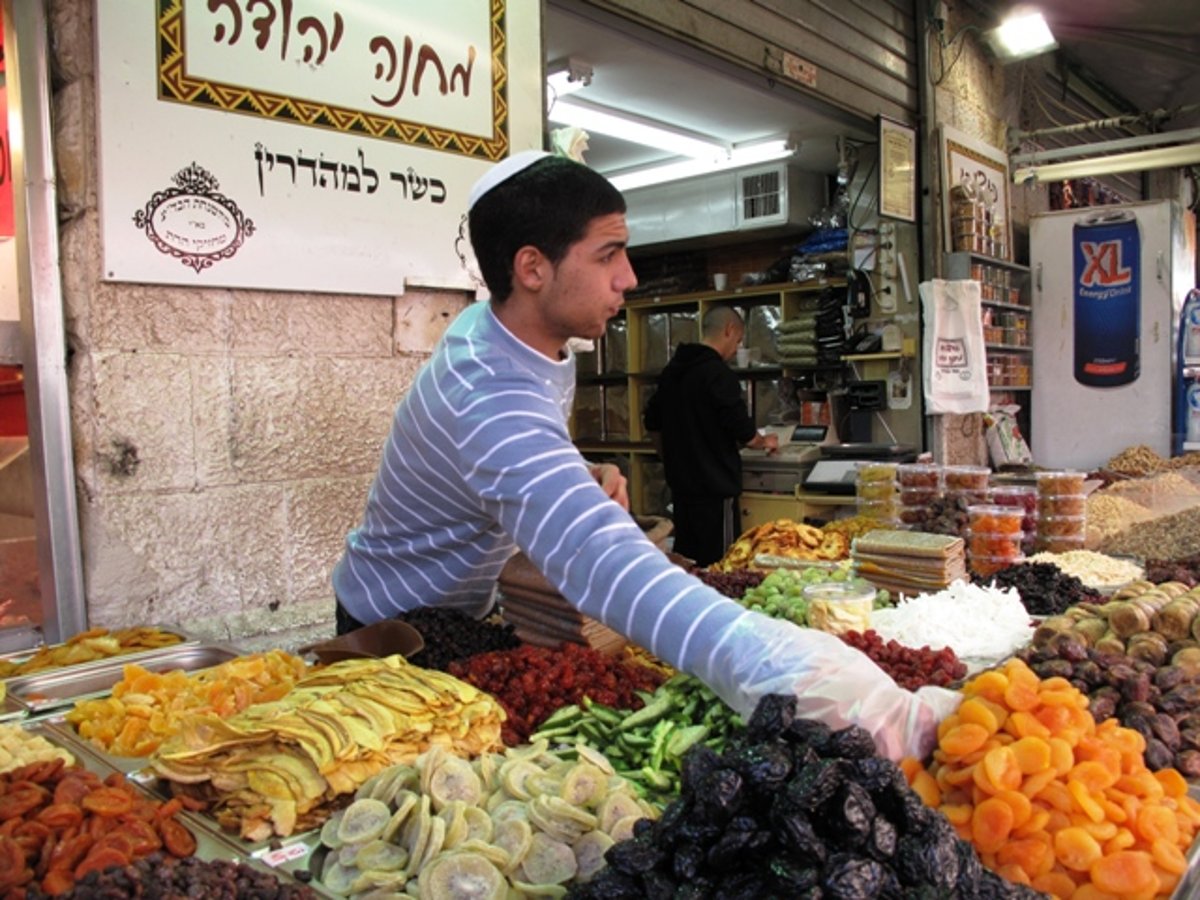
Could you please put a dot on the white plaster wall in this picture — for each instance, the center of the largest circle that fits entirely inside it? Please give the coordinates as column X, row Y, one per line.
column 224, row 440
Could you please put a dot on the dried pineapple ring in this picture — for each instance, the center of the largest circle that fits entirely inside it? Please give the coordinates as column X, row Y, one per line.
column 548, row 861
column 514, row 837
column 454, row 779
column 406, row 802
column 596, row 758
column 381, row 856
column 329, row 830
column 617, row 806
column 364, row 820
column 584, row 785
column 515, row 773
column 589, row 853
column 622, row 829
column 462, row 876
column 479, row 824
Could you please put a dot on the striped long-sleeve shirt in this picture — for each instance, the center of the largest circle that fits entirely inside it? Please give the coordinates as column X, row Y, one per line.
column 479, row 461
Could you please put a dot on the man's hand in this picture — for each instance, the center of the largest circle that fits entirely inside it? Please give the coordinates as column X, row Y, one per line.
column 612, row 482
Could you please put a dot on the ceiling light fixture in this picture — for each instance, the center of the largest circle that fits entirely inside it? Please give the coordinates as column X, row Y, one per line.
column 747, row 155
column 1020, row 36
column 566, row 77
column 1138, row 161
column 638, row 130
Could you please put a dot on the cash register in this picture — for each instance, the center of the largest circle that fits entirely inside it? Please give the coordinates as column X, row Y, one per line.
column 835, row 470
column 781, row 472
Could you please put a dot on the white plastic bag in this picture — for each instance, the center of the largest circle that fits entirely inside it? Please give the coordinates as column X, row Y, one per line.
column 832, row 682
column 1005, row 443
column 954, row 362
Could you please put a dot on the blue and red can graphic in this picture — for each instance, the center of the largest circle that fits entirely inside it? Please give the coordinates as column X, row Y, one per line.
column 1108, row 298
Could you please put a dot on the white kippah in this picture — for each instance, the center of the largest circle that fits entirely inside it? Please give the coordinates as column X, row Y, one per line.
column 503, row 171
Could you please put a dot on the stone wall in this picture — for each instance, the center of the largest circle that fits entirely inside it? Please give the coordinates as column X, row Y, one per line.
column 224, row 440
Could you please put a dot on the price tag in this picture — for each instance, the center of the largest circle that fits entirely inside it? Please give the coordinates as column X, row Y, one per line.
column 276, row 858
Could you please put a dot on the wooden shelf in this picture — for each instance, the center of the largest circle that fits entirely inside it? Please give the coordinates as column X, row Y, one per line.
column 997, row 388
column 1006, row 348
column 765, row 292
column 868, row 357
column 1000, row 304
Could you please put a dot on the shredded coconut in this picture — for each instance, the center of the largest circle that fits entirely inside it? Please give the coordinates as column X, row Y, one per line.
column 975, row 622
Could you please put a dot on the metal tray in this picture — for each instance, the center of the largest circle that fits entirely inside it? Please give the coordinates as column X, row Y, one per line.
column 22, row 655
column 57, row 688
column 211, row 842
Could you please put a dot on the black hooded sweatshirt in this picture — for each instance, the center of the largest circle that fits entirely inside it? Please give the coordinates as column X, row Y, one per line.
column 699, row 410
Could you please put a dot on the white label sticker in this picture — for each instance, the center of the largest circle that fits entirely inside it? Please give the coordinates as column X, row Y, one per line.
column 284, row 855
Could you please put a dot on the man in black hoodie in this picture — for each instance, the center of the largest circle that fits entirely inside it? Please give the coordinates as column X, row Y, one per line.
column 698, row 421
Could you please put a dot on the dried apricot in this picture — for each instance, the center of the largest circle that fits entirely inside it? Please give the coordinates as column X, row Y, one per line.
column 1057, row 884
column 1035, row 857
column 1124, row 872
column 991, row 824
column 1021, row 807
column 1076, row 849
column 976, row 711
column 1167, row 855
column 1002, row 770
column 1032, row 753
column 1157, row 823
column 927, row 789
column 963, row 739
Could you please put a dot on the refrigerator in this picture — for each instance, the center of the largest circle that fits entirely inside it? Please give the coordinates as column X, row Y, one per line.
column 1108, row 285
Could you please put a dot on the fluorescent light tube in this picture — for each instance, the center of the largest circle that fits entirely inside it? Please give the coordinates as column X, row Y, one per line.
column 638, row 130
column 767, row 151
column 1139, row 161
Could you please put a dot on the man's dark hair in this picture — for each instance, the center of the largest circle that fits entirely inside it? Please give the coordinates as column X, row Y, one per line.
column 548, row 206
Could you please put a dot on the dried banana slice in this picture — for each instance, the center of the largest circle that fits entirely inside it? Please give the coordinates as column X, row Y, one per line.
column 347, row 854
column 406, row 802
column 617, row 806
column 509, row 809
column 538, row 890
column 596, row 758
column 479, row 824
column 543, row 784
column 454, row 779
column 329, row 830
column 622, row 829
column 433, row 846
column 462, row 876
column 487, row 767
column 376, row 880
column 589, row 853
column 338, row 878
column 559, row 819
column 392, row 781
column 381, row 856
column 491, row 852
column 515, row 774
column 415, row 833
column 454, row 814
column 514, row 837
column 363, row 820
column 548, row 862
column 584, row 785
column 428, row 762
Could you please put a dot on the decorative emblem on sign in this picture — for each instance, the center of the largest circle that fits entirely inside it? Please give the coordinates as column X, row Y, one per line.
column 192, row 222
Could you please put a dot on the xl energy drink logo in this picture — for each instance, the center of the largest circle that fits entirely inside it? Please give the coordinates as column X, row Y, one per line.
column 1103, row 268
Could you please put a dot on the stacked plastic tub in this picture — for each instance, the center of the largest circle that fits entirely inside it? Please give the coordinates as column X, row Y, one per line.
column 1062, row 511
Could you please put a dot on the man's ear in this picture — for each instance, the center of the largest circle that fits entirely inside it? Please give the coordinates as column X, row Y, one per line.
column 529, row 268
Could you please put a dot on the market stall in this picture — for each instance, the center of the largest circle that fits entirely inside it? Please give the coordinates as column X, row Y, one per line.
column 521, row 757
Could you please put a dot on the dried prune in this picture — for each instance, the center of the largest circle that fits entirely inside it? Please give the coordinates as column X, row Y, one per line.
column 1166, row 731
column 798, row 836
column 927, row 862
column 789, row 876
column 1158, row 755
column 810, row 733
column 1102, row 708
column 764, row 766
column 849, row 877
column 696, row 889
column 666, row 827
column 720, row 795
column 877, row 774
column 657, row 886
column 882, row 843
column 687, row 861
column 729, row 851
column 740, row 886
column 852, row 742
column 814, row 784
column 698, row 762
column 848, row 815
column 633, row 856
column 773, row 715
column 609, row 884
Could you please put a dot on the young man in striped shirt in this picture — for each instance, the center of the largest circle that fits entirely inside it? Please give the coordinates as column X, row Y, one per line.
column 479, row 463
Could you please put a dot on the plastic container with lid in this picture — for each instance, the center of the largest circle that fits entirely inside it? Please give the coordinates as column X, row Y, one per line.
column 1054, row 483
column 919, row 475
column 993, row 544
column 840, row 606
column 1055, row 544
column 876, row 471
column 918, row 496
column 1024, row 496
column 1062, row 505
column 970, row 482
column 881, row 510
column 876, row 490
column 990, row 518
column 1062, row 526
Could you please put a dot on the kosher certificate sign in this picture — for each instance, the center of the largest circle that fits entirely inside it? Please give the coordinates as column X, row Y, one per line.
column 305, row 145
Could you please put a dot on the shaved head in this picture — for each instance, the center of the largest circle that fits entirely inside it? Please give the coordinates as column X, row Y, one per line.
column 717, row 318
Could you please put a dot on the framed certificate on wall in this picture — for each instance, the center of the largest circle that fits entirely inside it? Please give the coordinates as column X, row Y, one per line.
column 897, row 170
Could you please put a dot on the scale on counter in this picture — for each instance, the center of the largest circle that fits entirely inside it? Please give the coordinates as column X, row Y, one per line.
column 835, row 471
column 780, row 472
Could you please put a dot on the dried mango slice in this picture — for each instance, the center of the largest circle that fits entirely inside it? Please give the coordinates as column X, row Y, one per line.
column 462, row 876
column 548, row 862
column 363, row 820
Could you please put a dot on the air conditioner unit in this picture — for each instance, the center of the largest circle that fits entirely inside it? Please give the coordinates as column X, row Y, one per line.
column 759, row 200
